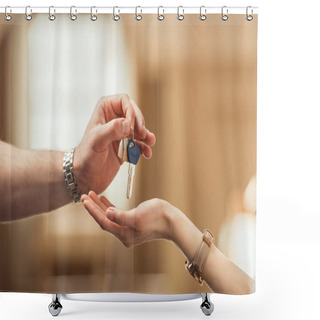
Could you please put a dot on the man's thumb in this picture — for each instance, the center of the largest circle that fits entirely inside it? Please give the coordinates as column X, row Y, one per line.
column 114, row 130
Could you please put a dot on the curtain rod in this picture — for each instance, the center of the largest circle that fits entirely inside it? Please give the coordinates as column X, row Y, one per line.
column 128, row 10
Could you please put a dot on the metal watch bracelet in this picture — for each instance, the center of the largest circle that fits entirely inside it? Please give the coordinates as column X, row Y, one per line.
column 69, row 177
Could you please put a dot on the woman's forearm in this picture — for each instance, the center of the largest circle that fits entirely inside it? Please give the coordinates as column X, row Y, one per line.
column 219, row 272
column 224, row 276
column 32, row 182
column 158, row 219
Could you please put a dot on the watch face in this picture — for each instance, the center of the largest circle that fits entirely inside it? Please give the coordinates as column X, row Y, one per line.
column 194, row 271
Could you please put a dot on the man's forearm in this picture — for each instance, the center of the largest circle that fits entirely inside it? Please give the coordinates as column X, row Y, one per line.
column 32, row 182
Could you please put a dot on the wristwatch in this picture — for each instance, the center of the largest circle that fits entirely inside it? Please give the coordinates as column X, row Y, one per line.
column 195, row 267
column 69, row 177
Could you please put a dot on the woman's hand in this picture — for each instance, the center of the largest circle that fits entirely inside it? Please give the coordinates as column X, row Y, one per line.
column 151, row 220
column 96, row 159
column 157, row 219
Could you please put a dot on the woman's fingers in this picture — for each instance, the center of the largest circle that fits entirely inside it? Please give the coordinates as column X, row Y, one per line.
column 99, row 214
column 102, row 202
column 123, row 222
column 96, row 212
column 122, row 217
column 106, row 202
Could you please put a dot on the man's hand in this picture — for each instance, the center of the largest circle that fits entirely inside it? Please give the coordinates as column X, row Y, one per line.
column 26, row 174
column 96, row 159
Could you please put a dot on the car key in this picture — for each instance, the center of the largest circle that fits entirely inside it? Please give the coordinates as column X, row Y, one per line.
column 133, row 152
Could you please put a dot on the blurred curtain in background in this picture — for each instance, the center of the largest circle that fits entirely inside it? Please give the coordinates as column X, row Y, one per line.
column 195, row 83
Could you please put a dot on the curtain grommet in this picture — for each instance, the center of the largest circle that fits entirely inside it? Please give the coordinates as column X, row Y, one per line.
column 93, row 17
column 28, row 12
column 51, row 16
column 203, row 12
column 73, row 15
column 138, row 16
column 160, row 16
column 7, row 16
column 249, row 17
column 116, row 17
column 180, row 15
column 224, row 13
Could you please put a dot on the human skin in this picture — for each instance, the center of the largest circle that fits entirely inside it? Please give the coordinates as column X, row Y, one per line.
column 32, row 181
column 158, row 219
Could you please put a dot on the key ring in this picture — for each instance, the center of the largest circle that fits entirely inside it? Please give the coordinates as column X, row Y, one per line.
column 138, row 16
column 160, row 16
column 28, row 16
column 93, row 17
column 52, row 17
column 7, row 16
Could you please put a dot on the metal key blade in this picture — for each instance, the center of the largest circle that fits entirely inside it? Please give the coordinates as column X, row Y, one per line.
column 131, row 171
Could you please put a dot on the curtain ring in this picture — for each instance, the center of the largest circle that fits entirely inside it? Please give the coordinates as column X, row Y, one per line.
column 28, row 16
column 249, row 17
column 160, row 16
column 224, row 14
column 180, row 15
column 7, row 16
column 73, row 16
column 116, row 17
column 203, row 15
column 138, row 16
column 52, row 17
column 93, row 17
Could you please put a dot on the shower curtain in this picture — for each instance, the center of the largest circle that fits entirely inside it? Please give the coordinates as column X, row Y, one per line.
column 195, row 83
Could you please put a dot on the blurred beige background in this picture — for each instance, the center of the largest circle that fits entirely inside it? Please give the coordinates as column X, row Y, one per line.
column 195, row 82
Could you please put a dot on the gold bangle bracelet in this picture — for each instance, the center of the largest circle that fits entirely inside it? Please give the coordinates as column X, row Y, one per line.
column 195, row 267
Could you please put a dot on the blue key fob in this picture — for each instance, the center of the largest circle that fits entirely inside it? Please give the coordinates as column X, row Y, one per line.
column 133, row 152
